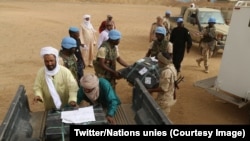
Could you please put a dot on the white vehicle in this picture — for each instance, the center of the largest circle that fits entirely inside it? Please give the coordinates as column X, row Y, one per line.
column 233, row 81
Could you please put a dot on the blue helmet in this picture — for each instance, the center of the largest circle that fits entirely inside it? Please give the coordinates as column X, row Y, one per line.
column 179, row 20
column 73, row 29
column 68, row 43
column 161, row 30
column 114, row 34
column 211, row 20
column 168, row 12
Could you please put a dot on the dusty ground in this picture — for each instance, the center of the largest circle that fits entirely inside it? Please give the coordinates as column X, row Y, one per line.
column 26, row 26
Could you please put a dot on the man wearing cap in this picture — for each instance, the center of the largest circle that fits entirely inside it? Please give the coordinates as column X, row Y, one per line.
column 96, row 91
column 166, row 90
column 207, row 43
column 107, row 55
column 88, row 38
column 103, row 24
column 161, row 44
column 55, row 86
column 67, row 55
column 182, row 41
column 166, row 23
column 74, row 33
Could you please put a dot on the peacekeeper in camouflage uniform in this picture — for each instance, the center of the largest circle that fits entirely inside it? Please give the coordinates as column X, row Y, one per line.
column 107, row 55
column 168, row 77
column 207, row 43
column 74, row 33
column 167, row 24
column 67, row 56
column 161, row 44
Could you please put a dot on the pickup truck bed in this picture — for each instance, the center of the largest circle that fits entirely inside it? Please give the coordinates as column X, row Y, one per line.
column 21, row 124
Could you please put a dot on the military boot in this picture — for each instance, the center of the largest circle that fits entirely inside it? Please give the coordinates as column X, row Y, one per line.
column 198, row 62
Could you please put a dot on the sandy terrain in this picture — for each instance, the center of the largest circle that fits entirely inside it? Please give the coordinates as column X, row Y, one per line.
column 26, row 26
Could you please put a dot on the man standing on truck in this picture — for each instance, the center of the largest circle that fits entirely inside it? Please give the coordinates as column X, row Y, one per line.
column 207, row 43
column 54, row 85
column 181, row 40
column 168, row 76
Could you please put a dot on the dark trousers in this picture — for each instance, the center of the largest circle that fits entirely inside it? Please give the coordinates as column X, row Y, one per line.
column 177, row 59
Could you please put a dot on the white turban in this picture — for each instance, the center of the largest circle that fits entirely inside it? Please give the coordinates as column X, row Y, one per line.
column 48, row 50
column 86, row 16
column 87, row 23
column 51, row 50
column 91, row 81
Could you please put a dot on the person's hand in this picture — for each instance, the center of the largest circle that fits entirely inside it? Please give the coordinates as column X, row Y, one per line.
column 84, row 103
column 111, row 120
column 37, row 99
column 117, row 75
column 72, row 103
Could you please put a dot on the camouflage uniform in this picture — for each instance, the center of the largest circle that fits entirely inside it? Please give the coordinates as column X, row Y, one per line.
column 70, row 63
column 163, row 46
column 167, row 83
column 110, row 60
column 208, row 45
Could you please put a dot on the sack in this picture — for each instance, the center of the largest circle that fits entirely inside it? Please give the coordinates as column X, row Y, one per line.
column 146, row 69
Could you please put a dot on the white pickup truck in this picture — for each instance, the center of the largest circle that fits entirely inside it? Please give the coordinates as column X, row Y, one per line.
column 195, row 19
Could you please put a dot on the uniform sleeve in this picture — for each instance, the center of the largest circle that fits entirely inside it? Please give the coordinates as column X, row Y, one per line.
column 151, row 45
column 189, row 40
column 101, row 52
column 170, row 48
column 165, row 80
column 172, row 36
column 117, row 51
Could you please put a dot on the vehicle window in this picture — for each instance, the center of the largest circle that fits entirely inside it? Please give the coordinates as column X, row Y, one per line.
column 204, row 16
